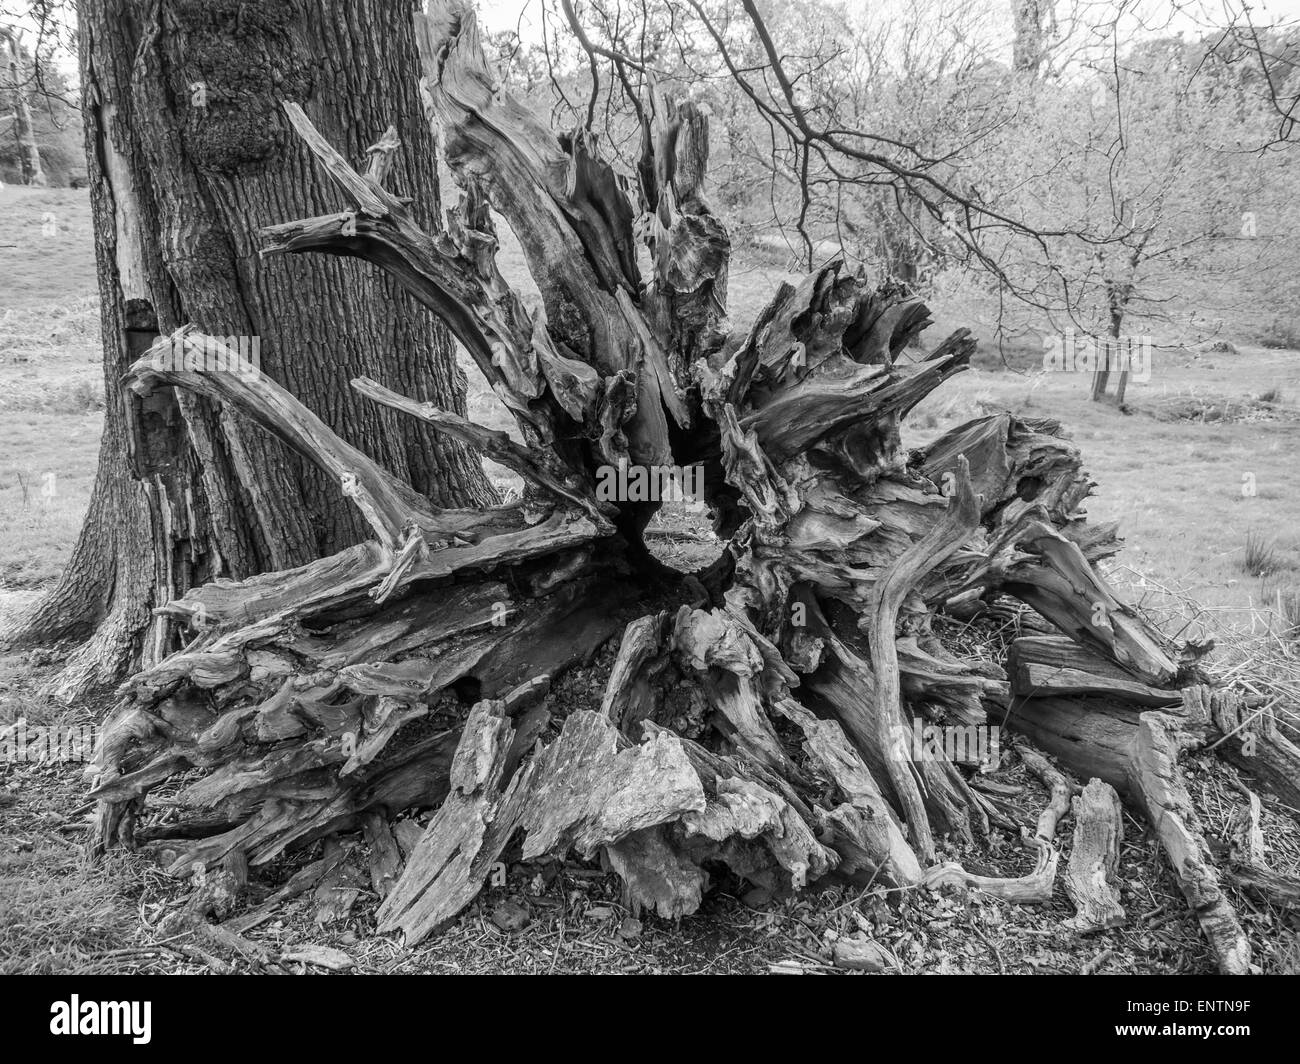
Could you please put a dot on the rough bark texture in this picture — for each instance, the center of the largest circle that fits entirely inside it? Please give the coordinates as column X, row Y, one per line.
column 188, row 156
column 759, row 715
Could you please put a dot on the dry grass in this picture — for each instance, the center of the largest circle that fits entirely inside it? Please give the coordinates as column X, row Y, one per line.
column 47, row 468
column 1260, row 556
column 52, row 260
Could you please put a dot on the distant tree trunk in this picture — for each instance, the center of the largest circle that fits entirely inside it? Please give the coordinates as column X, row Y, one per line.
column 188, row 155
column 29, row 155
column 1028, row 18
column 1117, row 296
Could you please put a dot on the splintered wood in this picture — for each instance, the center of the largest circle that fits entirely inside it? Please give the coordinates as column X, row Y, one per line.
column 580, row 791
column 758, row 716
column 1091, row 877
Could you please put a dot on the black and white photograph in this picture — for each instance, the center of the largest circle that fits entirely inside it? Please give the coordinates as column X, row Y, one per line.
column 649, row 487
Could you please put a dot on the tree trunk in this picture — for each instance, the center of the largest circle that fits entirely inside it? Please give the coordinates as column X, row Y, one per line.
column 1028, row 24
column 188, row 156
column 759, row 714
column 29, row 154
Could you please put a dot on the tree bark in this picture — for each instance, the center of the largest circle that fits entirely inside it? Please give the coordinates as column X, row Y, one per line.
column 188, row 155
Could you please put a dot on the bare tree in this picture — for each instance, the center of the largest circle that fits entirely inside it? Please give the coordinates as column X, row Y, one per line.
column 28, row 152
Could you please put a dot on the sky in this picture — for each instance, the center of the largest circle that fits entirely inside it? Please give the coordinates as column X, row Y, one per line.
column 505, row 14
column 1165, row 15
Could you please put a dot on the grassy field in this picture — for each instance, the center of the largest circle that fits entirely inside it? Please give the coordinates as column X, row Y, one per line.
column 51, row 383
column 1175, row 485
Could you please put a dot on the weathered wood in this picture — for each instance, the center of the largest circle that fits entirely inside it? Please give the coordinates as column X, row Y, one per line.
column 1160, row 789
column 1091, row 877
column 1256, row 746
column 635, row 690
column 338, row 889
column 1093, row 736
column 875, row 830
column 299, row 883
column 580, row 791
column 566, row 207
column 1245, row 832
column 1138, row 754
column 1044, row 666
column 180, row 360
column 882, row 608
column 534, row 464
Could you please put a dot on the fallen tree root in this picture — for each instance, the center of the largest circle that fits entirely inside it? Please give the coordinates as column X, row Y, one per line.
column 761, row 717
column 1035, row 888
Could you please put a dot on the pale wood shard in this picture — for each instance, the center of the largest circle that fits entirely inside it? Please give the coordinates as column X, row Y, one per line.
column 319, row 956
column 1091, row 877
column 1159, row 787
column 634, row 691
column 876, row 829
column 581, row 791
column 862, row 955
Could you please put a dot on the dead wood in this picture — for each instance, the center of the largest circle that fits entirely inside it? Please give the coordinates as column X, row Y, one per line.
column 1091, row 875
column 758, row 716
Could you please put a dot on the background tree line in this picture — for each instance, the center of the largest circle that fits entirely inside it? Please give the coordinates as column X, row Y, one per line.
column 1103, row 167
